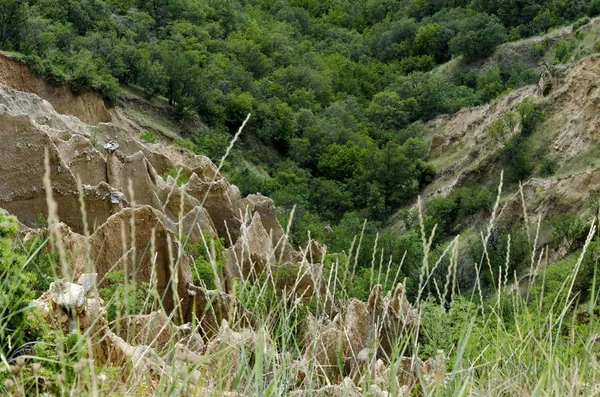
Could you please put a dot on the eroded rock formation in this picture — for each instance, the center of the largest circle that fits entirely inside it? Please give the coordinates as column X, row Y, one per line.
column 366, row 334
column 118, row 213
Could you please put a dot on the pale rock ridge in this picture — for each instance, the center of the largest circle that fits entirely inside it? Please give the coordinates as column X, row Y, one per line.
column 382, row 321
column 30, row 125
column 120, row 176
column 73, row 306
column 578, row 192
column 151, row 254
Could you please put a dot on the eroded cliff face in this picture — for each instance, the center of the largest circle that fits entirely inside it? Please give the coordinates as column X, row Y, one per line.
column 461, row 147
column 105, row 172
column 88, row 107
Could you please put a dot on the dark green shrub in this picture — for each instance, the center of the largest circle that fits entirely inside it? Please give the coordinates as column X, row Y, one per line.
column 212, row 144
column 593, row 8
column 520, row 253
column 480, row 37
column 548, row 167
column 517, row 158
column 490, row 85
column 529, row 115
column 17, row 288
column 251, row 183
column 441, row 211
column 202, row 268
column 443, row 329
column 567, row 230
column 563, row 51
column 472, row 200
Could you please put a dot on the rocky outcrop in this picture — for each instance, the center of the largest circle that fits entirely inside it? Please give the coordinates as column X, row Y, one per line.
column 233, row 351
column 22, row 169
column 118, row 213
column 30, row 126
column 88, row 107
column 112, row 171
column 256, row 254
column 257, row 203
column 138, row 242
column 158, row 331
column 71, row 307
column 141, row 357
column 252, row 252
column 367, row 332
column 544, row 198
column 461, row 147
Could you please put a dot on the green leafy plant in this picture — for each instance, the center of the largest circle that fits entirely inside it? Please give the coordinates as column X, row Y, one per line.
column 123, row 296
column 504, row 128
column 20, row 283
column 180, row 175
column 207, row 260
column 567, row 230
column 563, row 50
column 580, row 22
column 149, row 137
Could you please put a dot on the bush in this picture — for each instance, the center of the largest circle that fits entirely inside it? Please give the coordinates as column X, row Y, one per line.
column 472, row 200
column 121, row 297
column 490, row 85
column 503, row 129
column 251, row 183
column 16, row 288
column 563, row 51
column 443, row 329
column 212, row 144
column 529, row 115
column 581, row 21
column 518, row 159
column 593, row 8
column 567, row 230
column 441, row 211
column 479, row 38
column 548, row 167
column 203, row 260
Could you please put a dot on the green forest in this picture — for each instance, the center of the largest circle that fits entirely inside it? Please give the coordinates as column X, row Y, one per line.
column 338, row 91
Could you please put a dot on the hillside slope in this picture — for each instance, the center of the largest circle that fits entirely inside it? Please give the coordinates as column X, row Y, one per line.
column 277, row 319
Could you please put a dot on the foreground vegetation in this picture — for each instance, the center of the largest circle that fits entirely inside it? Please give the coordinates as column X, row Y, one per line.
column 532, row 335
